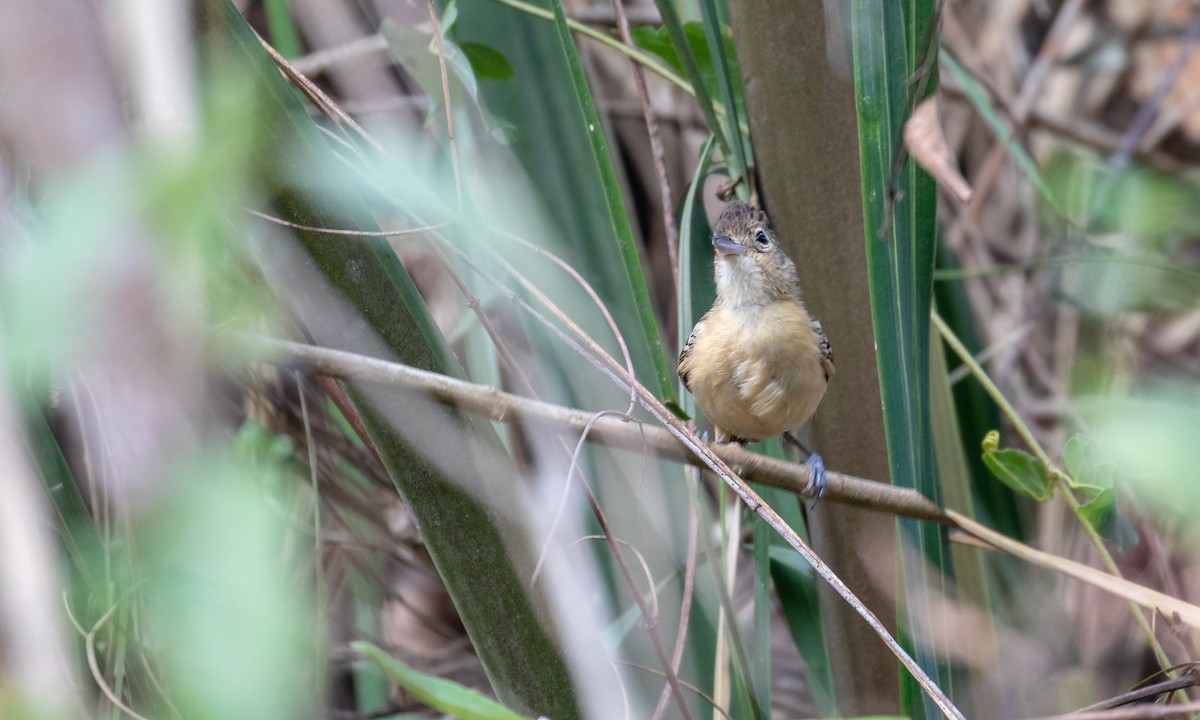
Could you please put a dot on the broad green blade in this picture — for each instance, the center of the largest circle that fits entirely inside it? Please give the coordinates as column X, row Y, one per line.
column 900, row 250
column 722, row 63
column 696, row 291
column 477, row 549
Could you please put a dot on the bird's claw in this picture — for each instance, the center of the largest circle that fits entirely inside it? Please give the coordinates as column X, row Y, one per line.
column 816, row 478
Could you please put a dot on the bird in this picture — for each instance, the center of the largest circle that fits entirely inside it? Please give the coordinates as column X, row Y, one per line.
column 757, row 363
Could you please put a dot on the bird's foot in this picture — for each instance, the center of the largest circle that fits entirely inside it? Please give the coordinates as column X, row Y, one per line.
column 816, row 469
column 816, row 478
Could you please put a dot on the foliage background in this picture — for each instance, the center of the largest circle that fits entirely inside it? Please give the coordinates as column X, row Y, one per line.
column 192, row 527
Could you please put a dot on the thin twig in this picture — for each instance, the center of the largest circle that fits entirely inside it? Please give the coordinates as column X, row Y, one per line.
column 347, row 233
column 656, row 149
column 707, row 698
column 591, row 293
column 1135, row 712
column 441, row 53
column 649, row 618
column 650, row 584
column 94, row 665
column 1170, row 685
column 562, row 500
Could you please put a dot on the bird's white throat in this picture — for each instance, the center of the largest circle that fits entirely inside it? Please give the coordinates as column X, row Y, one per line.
column 740, row 282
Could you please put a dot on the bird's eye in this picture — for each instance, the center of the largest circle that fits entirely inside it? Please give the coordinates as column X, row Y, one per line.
column 762, row 238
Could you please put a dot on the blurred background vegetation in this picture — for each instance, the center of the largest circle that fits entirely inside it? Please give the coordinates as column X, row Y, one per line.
column 195, row 523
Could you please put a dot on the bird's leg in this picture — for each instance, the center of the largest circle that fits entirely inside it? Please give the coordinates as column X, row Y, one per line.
column 816, row 469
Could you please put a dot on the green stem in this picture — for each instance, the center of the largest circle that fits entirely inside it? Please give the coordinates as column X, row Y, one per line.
column 1059, row 479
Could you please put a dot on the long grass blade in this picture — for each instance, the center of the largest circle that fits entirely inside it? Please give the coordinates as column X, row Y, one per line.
column 691, row 69
column 695, row 295
column 900, row 252
column 737, row 158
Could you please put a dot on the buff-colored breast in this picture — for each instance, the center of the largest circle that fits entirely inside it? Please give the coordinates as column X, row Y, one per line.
column 756, row 371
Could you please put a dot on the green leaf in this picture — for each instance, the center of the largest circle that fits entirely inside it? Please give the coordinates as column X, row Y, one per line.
column 487, row 62
column 729, row 85
column 1020, row 471
column 1100, row 511
column 442, row 695
column 1095, row 479
column 694, row 297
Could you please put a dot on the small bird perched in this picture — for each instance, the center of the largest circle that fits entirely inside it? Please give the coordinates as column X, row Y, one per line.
column 756, row 362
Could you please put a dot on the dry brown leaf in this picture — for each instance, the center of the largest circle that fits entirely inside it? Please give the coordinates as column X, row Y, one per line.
column 927, row 144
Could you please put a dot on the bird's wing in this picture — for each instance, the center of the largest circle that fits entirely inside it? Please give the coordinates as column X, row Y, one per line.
column 825, row 348
column 686, row 353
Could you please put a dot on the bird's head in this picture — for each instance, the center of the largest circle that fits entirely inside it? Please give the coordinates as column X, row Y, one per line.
column 749, row 267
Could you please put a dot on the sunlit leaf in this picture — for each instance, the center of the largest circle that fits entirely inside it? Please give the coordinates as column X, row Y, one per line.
column 442, row 695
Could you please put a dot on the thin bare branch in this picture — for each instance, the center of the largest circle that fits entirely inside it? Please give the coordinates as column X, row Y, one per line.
column 656, row 149
column 1187, row 679
column 1136, row 594
column 1133, row 712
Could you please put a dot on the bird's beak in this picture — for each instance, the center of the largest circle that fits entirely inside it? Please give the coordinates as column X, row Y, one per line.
column 727, row 247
